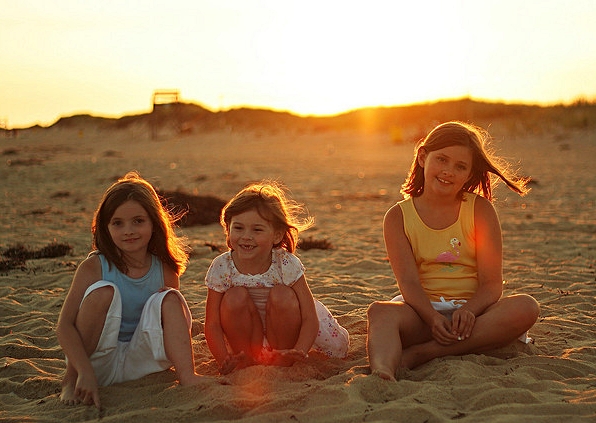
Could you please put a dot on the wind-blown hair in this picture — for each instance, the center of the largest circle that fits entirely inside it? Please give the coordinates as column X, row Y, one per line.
column 164, row 242
column 487, row 169
column 270, row 201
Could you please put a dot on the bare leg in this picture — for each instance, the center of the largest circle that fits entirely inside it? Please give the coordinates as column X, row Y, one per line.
column 241, row 323
column 89, row 326
column 177, row 339
column 283, row 321
column 283, row 317
column 389, row 324
column 501, row 324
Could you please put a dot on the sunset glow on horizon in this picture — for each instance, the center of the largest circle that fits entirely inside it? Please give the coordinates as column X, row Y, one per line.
column 308, row 57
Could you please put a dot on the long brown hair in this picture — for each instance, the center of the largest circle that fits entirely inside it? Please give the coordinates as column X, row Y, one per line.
column 164, row 242
column 269, row 199
column 484, row 163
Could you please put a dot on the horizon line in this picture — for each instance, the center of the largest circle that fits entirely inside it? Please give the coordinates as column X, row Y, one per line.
column 579, row 100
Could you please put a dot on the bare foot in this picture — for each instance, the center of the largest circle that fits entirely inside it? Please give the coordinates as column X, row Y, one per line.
column 384, row 374
column 244, row 361
column 67, row 396
column 283, row 358
column 236, row 361
column 191, row 380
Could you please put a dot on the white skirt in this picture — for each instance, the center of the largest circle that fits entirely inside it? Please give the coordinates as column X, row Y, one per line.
column 332, row 339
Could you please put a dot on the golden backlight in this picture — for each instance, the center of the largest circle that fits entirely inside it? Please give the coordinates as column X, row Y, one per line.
column 308, row 57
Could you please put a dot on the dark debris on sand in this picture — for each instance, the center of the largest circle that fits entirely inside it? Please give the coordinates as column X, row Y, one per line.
column 15, row 256
column 311, row 243
column 192, row 209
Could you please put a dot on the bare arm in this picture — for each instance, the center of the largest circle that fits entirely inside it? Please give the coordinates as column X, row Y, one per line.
column 405, row 270
column 88, row 272
column 404, row 266
column 310, row 321
column 213, row 331
column 489, row 256
column 170, row 278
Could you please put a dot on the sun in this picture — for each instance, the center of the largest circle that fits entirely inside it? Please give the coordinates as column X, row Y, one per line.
column 322, row 59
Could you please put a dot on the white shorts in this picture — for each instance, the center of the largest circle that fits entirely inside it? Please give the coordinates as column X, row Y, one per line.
column 447, row 308
column 115, row 361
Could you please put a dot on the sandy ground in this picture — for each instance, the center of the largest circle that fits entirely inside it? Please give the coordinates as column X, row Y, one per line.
column 52, row 180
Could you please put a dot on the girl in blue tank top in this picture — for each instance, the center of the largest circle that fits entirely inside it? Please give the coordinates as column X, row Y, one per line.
column 124, row 316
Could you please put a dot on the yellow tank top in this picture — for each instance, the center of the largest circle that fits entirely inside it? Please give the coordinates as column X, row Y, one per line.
column 446, row 258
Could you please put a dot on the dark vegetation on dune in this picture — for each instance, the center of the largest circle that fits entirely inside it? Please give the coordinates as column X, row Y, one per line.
column 185, row 118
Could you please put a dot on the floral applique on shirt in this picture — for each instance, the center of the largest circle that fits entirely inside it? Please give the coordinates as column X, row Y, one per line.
column 447, row 258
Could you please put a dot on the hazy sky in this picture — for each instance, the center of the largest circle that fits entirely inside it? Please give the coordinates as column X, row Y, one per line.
column 63, row 57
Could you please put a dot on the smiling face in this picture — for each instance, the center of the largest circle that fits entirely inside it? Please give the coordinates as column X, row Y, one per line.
column 251, row 239
column 131, row 228
column 446, row 170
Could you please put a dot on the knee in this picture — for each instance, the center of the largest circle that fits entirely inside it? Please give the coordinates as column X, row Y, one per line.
column 282, row 298
column 378, row 311
column 524, row 311
column 235, row 298
column 171, row 299
column 533, row 308
column 99, row 298
column 173, row 307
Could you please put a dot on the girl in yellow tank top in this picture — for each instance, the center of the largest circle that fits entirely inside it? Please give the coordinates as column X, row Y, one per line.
column 445, row 248
column 446, row 257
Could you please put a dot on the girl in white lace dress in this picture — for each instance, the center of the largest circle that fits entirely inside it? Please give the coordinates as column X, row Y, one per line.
column 259, row 308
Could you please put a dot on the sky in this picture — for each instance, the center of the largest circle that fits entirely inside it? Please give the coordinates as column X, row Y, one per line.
column 309, row 57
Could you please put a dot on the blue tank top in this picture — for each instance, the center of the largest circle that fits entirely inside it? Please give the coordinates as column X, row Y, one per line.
column 134, row 292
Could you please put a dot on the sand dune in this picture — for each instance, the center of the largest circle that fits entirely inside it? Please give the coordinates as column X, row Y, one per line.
column 53, row 178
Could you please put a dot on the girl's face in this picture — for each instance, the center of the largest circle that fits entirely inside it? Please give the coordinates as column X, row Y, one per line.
column 252, row 238
column 131, row 228
column 446, row 170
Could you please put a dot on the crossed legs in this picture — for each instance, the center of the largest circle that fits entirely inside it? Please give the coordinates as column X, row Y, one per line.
column 397, row 337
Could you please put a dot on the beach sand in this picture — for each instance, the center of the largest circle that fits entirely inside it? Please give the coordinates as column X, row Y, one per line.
column 52, row 179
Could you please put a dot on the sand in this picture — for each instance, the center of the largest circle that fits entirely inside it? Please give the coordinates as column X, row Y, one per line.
column 52, row 179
